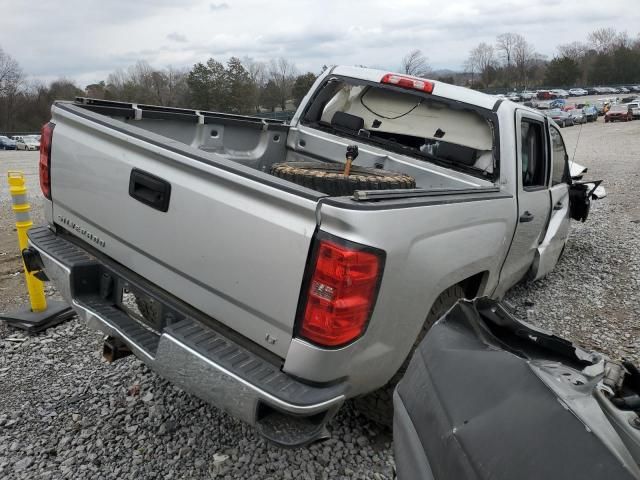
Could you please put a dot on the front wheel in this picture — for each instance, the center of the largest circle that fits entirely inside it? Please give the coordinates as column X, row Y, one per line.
column 378, row 405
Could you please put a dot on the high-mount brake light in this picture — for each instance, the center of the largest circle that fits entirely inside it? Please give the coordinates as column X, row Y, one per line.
column 46, row 135
column 340, row 293
column 412, row 83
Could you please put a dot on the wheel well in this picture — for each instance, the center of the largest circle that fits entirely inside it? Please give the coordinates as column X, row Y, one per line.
column 471, row 285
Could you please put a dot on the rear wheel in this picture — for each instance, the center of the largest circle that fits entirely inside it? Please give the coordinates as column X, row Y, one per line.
column 378, row 405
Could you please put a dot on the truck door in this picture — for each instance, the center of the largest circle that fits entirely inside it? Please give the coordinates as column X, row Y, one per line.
column 549, row 251
column 533, row 171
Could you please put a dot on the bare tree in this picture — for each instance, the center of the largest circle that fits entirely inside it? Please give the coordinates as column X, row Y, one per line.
column 282, row 74
column 10, row 74
column 505, row 44
column 415, row 63
column 603, row 40
column 573, row 50
column 482, row 59
column 524, row 57
column 258, row 74
column 257, row 70
column 623, row 39
column 470, row 68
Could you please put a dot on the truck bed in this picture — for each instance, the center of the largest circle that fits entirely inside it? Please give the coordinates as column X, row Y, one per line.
column 255, row 142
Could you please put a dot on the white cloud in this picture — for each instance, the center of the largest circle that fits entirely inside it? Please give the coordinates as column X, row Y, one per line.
column 177, row 37
column 86, row 39
column 218, row 6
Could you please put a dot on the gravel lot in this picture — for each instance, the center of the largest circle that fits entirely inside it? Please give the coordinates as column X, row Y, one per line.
column 65, row 413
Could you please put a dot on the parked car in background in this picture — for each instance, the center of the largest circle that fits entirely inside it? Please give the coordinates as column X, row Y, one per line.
column 544, row 95
column 513, row 96
column 527, row 95
column 591, row 112
column 624, row 90
column 577, row 92
column 578, row 116
column 542, row 105
column 562, row 118
column 35, row 139
column 635, row 109
column 27, row 143
column 7, row 143
column 558, row 103
column 618, row 113
column 559, row 93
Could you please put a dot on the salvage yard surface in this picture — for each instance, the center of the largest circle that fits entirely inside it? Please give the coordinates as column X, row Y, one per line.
column 65, row 413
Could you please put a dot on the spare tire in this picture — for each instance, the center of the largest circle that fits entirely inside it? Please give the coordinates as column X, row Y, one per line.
column 329, row 177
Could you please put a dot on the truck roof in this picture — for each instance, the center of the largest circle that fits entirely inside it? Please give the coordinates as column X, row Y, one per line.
column 441, row 89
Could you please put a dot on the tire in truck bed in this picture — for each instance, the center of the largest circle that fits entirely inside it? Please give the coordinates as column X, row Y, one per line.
column 329, row 178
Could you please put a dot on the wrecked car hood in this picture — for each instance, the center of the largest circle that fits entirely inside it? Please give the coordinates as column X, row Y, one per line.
column 489, row 397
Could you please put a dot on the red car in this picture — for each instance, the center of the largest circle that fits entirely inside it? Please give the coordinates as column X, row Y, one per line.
column 618, row 112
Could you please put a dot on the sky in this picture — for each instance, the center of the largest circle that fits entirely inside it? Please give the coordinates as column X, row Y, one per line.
column 85, row 40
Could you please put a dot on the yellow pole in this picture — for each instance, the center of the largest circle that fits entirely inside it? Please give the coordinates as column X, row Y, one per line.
column 22, row 210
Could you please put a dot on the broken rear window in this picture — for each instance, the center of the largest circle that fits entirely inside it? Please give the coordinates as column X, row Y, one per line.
column 412, row 123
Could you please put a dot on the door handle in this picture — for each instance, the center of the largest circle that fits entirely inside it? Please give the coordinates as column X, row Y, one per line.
column 150, row 190
column 526, row 217
column 558, row 206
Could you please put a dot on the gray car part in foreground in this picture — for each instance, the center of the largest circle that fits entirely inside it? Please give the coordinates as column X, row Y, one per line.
column 489, row 397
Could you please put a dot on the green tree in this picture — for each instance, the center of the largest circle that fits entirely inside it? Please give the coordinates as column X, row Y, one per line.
column 562, row 71
column 302, row 85
column 239, row 86
column 270, row 96
column 600, row 73
column 625, row 65
column 207, row 86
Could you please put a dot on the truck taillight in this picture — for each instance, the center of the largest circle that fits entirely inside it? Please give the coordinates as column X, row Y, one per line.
column 340, row 292
column 404, row 81
column 46, row 134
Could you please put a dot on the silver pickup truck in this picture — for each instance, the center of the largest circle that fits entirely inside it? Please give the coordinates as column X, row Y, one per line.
column 268, row 281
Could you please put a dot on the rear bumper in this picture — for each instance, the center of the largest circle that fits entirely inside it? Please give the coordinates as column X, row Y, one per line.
column 188, row 351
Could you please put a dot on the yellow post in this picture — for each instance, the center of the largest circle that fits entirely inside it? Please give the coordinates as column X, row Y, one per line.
column 22, row 210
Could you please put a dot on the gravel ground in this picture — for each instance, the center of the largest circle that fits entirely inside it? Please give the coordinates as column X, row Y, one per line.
column 65, row 413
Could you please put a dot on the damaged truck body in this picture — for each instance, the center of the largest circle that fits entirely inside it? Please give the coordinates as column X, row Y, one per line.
column 489, row 397
column 267, row 280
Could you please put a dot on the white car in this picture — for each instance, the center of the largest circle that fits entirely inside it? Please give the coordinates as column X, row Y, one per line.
column 635, row 108
column 27, row 143
column 577, row 92
column 559, row 93
column 527, row 95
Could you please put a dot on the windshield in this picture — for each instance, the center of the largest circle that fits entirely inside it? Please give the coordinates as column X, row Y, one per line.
column 424, row 127
column 619, row 108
